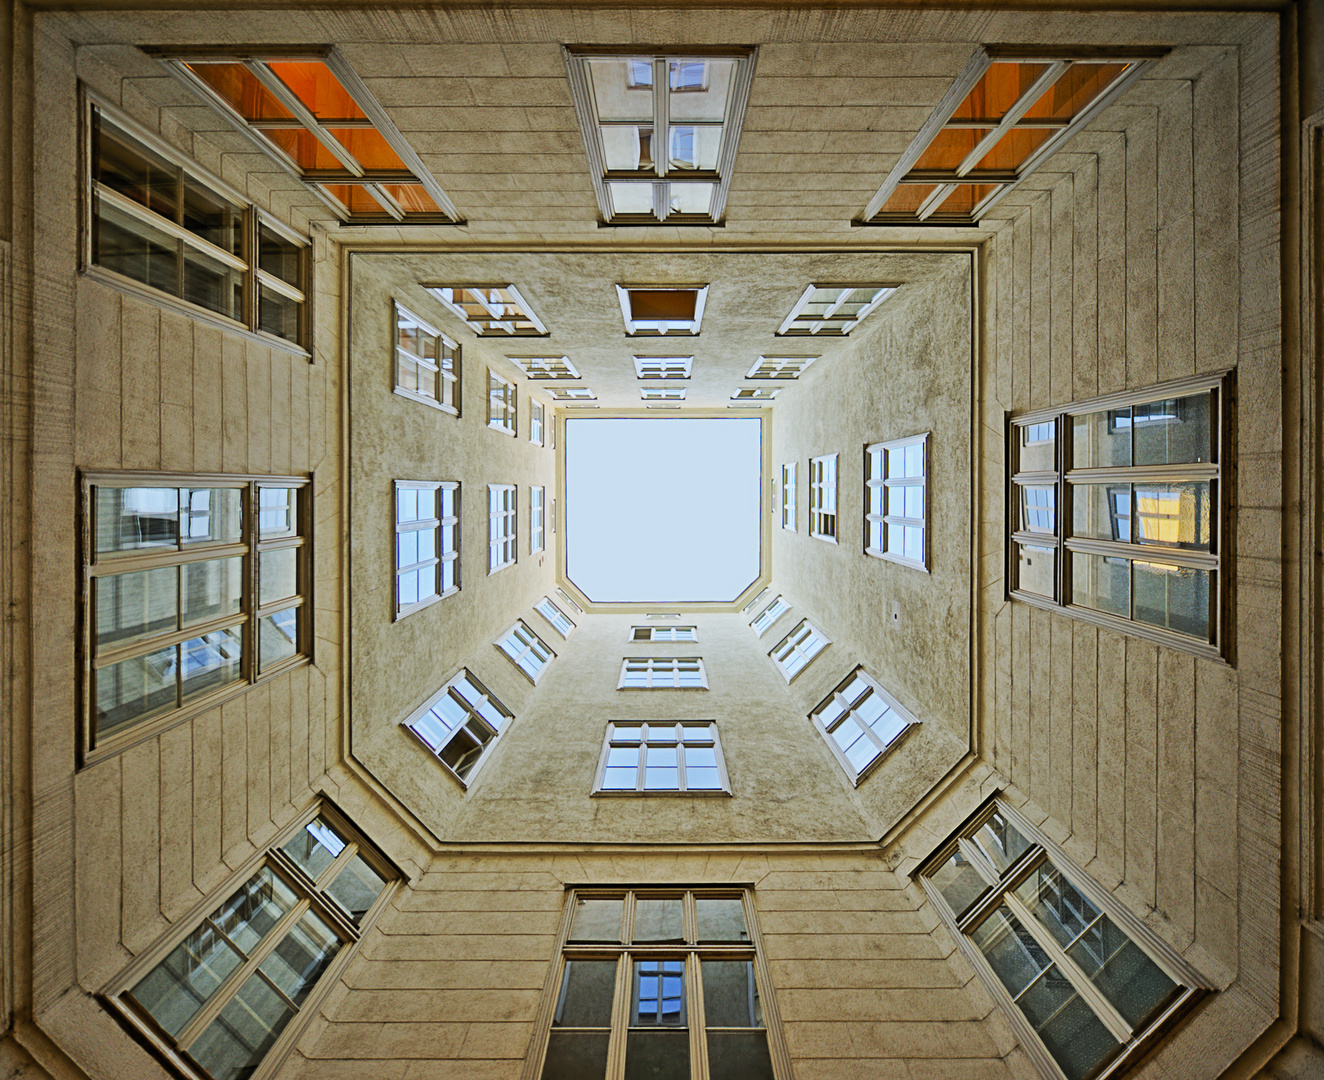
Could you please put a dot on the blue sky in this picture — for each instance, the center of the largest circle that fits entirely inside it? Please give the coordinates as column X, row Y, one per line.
column 663, row 509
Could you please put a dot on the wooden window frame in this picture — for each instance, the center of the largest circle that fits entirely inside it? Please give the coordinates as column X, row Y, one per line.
column 788, row 499
column 652, row 665
column 473, row 719
column 501, row 404
column 642, row 742
column 663, row 368
column 878, row 463
column 507, row 535
column 663, row 633
column 556, row 618
column 780, row 367
column 820, row 515
column 499, row 323
column 799, row 640
column 520, row 642
column 443, row 556
column 848, row 707
column 767, row 617
column 793, row 326
column 682, row 327
column 447, row 379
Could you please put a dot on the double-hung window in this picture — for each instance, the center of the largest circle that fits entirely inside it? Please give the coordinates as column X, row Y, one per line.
column 896, row 501
column 526, row 650
column 535, row 421
column 788, row 496
column 861, row 722
column 561, row 622
column 823, row 497
column 501, row 538
column 230, row 997
column 776, row 608
column 1087, row 987
column 192, row 588
column 795, row 651
column 427, row 536
column 662, row 673
column 660, row 983
column 500, row 403
column 427, row 363
column 535, row 519
column 664, row 633
column 459, row 724
column 661, row 756
column 1117, row 511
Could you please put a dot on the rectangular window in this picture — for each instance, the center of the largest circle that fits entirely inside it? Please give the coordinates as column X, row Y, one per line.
column 427, row 363
column 661, row 756
column 756, row 393
column 234, row 992
column 758, row 599
column 780, row 367
column 896, row 501
column 535, row 421
column 664, row 633
column 861, row 722
column 161, row 221
column 788, row 496
column 427, row 538
column 490, row 310
column 1117, row 514
column 832, row 310
column 459, row 724
column 797, row 649
column 661, row 132
column 662, row 393
column 658, row 310
column 535, row 519
column 776, row 608
column 662, row 673
column 1088, row 988
column 500, row 403
column 570, row 393
column 663, row 367
column 570, row 600
column 194, row 588
column 526, row 650
column 823, row 497
column 661, row 983
column 501, row 542
column 561, row 622
column 545, row 368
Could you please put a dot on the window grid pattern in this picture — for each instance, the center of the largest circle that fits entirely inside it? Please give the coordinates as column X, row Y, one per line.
column 664, row 633
column 1085, row 984
column 823, row 497
column 663, row 367
column 659, row 310
column 832, row 310
column 663, row 673
column 896, row 498
column 526, row 650
column 535, row 422
column 788, row 496
column 780, row 367
column 662, row 393
column 861, row 722
column 1116, row 512
column 535, row 519
column 661, row 756
column 427, row 520
column 797, row 649
column 500, row 403
column 459, row 724
column 756, row 393
column 490, row 310
column 501, row 542
column 570, row 393
column 545, row 368
column 776, row 608
column 560, row 621
column 427, row 362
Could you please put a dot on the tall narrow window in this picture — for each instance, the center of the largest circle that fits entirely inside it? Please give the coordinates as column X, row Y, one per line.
column 427, row 519
column 780, row 367
column 194, row 587
column 795, row 651
column 233, row 992
column 662, row 673
column 501, row 543
column 526, row 650
column 658, row 310
column 661, row 756
column 427, row 363
column 775, row 609
column 661, row 131
column 535, row 421
column 535, row 519
column 896, row 501
column 1117, row 511
column 788, row 496
column 459, row 724
column 490, row 310
column 663, row 367
column 500, row 403
column 823, row 497
column 861, row 722
column 833, row 310
column 561, row 622
column 1088, row 988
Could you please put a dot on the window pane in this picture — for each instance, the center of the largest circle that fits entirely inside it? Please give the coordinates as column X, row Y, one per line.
column 248, row 916
column 1101, row 511
column 211, row 660
column 659, row 994
column 1077, row 1039
column 277, row 637
column 959, row 883
column 1177, row 514
column 1174, row 597
column 1101, row 439
column 658, row 920
column 211, row 284
column 278, row 257
column 596, row 920
column 212, row 589
column 357, row 886
column 730, row 995
column 129, row 519
column 1101, row 583
column 132, row 606
column 173, row 991
column 128, row 246
column 1135, row 985
column 1037, row 446
column 1001, row 841
column 694, row 198
column 720, row 919
column 134, row 688
column 576, row 1055
column 657, row 1055
column 315, row 846
column 586, row 994
column 1038, row 507
column 211, row 515
column 278, row 314
column 1173, row 431
column 277, row 512
column 620, row 779
column 298, row 961
column 126, row 166
column 239, row 1038
column 278, row 571
column 739, row 1055
column 1036, row 570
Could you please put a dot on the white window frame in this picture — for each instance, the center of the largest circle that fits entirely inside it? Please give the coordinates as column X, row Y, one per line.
column 794, row 326
column 503, row 527
column 756, row 600
column 804, row 641
column 662, row 393
column 545, row 368
column 823, row 500
column 525, row 649
column 655, row 672
column 565, row 595
column 663, row 367
column 645, row 729
column 501, row 414
column 536, row 412
column 757, row 393
column 475, row 732
column 767, row 617
column 436, row 523
column 789, row 506
column 556, row 618
column 570, row 393
column 504, row 312
column 880, row 479
column 662, row 327
column 664, row 633
column 536, row 496
column 848, row 707
column 780, row 367
column 446, row 376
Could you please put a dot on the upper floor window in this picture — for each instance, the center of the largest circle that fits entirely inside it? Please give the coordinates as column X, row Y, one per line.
column 788, row 496
column 427, row 363
column 664, row 633
column 570, row 393
column 896, row 501
column 662, row 673
column 833, row 310
column 776, row 608
column 780, row 367
column 666, row 755
column 661, row 131
column 861, row 722
column 311, row 113
column 500, row 403
column 526, row 650
column 1117, row 511
column 823, row 497
column 756, row 393
column 193, row 588
column 663, row 367
column 162, row 222
column 459, row 724
column 228, row 995
column 427, row 538
column 561, row 622
column 570, row 600
column 535, row 519
column 490, row 310
column 662, row 393
column 535, row 421
column 501, row 540
column 795, row 651
column 757, row 599
column 1087, row 986
column 545, row 368
column 658, row 310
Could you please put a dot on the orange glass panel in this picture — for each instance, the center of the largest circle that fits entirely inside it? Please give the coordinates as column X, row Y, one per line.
column 317, row 88
column 303, row 146
column 1014, row 148
column 662, row 303
column 237, row 85
column 413, row 199
column 1073, row 92
column 966, row 197
column 950, row 148
column 907, row 198
column 354, row 198
column 369, row 148
column 998, row 89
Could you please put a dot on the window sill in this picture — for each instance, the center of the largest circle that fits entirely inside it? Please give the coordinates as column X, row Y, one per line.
column 423, row 399
column 599, row 793
column 914, row 564
column 410, row 609
column 501, row 429
column 821, row 536
column 1158, row 635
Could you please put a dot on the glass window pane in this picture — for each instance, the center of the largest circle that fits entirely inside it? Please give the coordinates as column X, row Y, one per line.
column 1036, row 570
column 1037, row 446
column 357, row 887
column 212, row 284
column 622, row 757
column 277, row 512
column 211, row 660
column 720, row 919
column 1101, row 511
column 241, row 1035
column 1101, row 439
column 596, row 920
column 1038, row 508
column 174, row 990
column 315, row 846
column 699, row 89
column 134, row 688
column 278, row 257
column 1102, row 583
column 1180, row 515
column 659, row 993
column 657, row 1055
column 693, row 198
column 700, row 757
column 739, row 1055
column 1174, row 431
column 278, row 572
column 277, row 637
column 279, row 314
column 127, row 245
column 620, row 779
column 587, row 989
column 627, row 147
column 959, row 883
column 1173, row 597
column 658, row 920
column 1077, row 1039
column 703, row 779
column 622, row 88
column 1136, row 986
column 298, row 960
column 129, row 519
column 576, row 1055
column 211, row 515
column 133, row 606
column 1001, row 841
column 248, row 916
column 730, row 994
column 212, row 589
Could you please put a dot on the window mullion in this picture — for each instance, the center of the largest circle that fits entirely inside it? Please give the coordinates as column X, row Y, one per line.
column 695, row 1018
column 620, row 1016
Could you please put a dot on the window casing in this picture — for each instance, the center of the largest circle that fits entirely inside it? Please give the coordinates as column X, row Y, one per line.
column 545, row 368
column 663, row 367
column 823, row 497
column 1088, row 988
column 501, row 537
column 661, row 131
column 535, row 519
column 535, row 422
column 674, row 977
column 662, row 393
column 780, row 367
column 526, row 650
column 459, row 725
column 758, row 598
column 193, row 588
column 662, row 757
column 660, row 310
column 427, row 543
column 570, row 600
column 231, row 996
column 561, row 622
column 1118, row 510
column 664, row 633
column 896, row 501
column 662, row 673
column 570, row 393
column 157, row 220
column 862, row 723
column 500, row 403
column 427, row 363
column 788, row 496
column 756, row 393
column 832, row 310
column 775, row 609
column 490, row 310
column 797, row 649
